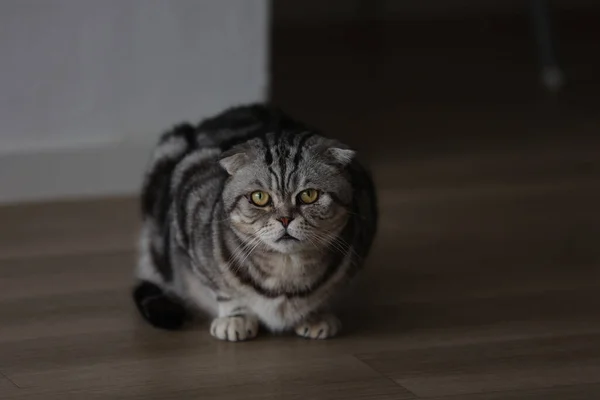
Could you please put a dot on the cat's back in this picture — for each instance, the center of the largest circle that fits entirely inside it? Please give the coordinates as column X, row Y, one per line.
column 240, row 124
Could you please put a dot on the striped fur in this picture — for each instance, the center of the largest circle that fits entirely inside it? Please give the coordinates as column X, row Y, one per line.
column 204, row 245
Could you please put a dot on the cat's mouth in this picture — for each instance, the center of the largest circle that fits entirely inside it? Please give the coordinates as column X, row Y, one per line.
column 286, row 237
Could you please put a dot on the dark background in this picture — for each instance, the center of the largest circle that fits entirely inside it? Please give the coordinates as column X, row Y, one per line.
column 435, row 74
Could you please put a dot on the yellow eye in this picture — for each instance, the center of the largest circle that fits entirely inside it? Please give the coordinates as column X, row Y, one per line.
column 259, row 198
column 309, row 196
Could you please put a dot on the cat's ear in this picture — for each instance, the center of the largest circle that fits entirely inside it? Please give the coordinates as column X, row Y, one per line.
column 337, row 153
column 234, row 159
column 343, row 156
column 232, row 163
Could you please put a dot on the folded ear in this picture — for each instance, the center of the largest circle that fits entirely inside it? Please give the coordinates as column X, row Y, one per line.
column 335, row 152
column 234, row 159
column 342, row 156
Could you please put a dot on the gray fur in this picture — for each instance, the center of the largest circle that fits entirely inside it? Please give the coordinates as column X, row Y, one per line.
column 205, row 243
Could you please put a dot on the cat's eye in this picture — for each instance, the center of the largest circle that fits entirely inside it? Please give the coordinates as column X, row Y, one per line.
column 309, row 196
column 260, row 198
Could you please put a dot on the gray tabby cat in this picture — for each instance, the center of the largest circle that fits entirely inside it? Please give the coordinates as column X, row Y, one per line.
column 254, row 218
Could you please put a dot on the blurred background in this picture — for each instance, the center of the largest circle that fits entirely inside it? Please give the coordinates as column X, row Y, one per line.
column 84, row 82
column 480, row 120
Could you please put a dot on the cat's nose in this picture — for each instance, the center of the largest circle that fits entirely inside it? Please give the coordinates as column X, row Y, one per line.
column 285, row 221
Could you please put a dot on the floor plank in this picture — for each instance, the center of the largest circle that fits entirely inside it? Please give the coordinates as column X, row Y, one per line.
column 512, row 365
column 7, row 387
column 576, row 392
column 65, row 227
column 262, row 377
column 64, row 274
column 370, row 389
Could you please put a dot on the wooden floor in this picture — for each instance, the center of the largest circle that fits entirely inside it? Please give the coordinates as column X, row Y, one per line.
column 483, row 284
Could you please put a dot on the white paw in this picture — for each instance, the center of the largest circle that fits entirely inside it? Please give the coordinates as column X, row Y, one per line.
column 320, row 327
column 235, row 328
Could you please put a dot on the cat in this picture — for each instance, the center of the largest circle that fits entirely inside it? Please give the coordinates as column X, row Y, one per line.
column 254, row 218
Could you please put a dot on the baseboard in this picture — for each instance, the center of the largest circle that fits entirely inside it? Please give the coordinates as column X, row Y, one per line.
column 110, row 169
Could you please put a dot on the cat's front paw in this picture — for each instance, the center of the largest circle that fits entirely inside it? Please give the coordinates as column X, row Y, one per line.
column 319, row 327
column 235, row 328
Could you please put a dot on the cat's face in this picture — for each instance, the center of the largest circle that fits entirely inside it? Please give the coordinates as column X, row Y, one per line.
column 288, row 197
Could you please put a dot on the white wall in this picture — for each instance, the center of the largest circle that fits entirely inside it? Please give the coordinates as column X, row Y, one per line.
column 87, row 85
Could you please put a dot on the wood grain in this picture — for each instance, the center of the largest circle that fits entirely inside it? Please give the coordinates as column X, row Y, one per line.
column 575, row 392
column 7, row 387
column 520, row 364
column 32, row 230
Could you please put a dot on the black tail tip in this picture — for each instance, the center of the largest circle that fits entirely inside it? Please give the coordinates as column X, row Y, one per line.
column 159, row 309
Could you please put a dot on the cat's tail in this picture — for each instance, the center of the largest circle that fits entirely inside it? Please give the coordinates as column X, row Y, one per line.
column 160, row 309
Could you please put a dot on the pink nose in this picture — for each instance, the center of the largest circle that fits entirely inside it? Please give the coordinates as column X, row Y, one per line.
column 285, row 221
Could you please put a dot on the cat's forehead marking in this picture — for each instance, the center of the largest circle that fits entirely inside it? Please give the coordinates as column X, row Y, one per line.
column 283, row 156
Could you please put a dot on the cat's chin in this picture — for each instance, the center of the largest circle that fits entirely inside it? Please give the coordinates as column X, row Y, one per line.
column 288, row 246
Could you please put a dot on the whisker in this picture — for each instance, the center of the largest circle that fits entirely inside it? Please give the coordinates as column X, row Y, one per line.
column 309, row 238
column 247, row 248
column 338, row 243
column 328, row 243
column 354, row 213
column 250, row 252
column 241, row 249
